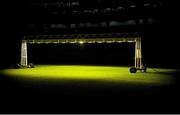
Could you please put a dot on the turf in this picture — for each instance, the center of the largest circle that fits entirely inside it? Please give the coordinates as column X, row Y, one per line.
column 106, row 74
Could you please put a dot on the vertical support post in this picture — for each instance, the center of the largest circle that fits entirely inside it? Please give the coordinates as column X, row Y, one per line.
column 24, row 53
column 135, row 64
column 138, row 55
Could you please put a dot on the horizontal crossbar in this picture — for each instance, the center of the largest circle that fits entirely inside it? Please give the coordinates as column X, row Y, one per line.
column 81, row 40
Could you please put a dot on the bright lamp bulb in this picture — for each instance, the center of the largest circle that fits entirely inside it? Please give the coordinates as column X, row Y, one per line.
column 81, row 42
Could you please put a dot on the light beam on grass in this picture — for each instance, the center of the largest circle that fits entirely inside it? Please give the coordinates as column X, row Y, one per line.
column 113, row 74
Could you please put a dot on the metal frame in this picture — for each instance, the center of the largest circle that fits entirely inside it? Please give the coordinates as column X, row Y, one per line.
column 84, row 38
column 24, row 60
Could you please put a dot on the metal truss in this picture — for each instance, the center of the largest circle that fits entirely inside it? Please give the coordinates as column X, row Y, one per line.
column 86, row 38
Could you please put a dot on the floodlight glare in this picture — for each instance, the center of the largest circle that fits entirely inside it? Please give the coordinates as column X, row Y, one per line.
column 81, row 42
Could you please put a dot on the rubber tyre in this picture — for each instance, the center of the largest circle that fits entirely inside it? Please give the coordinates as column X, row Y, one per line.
column 145, row 69
column 17, row 66
column 31, row 65
column 133, row 70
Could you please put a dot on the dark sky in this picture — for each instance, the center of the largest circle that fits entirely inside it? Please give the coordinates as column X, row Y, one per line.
column 159, row 39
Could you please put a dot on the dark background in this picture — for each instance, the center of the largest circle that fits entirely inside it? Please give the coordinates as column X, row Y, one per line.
column 159, row 36
column 159, row 43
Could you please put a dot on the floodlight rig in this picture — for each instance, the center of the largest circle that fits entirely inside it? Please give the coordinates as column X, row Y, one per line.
column 85, row 38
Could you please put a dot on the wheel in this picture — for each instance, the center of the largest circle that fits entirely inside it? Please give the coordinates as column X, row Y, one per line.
column 133, row 70
column 17, row 66
column 31, row 65
column 144, row 69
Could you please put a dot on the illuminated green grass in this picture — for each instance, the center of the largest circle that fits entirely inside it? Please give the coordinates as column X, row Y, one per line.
column 108, row 74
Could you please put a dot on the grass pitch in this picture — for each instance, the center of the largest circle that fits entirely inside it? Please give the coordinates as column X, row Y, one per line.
column 82, row 73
